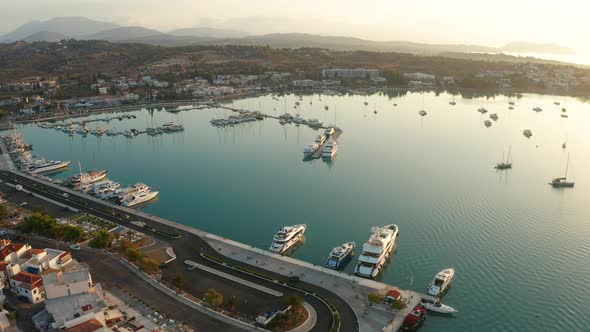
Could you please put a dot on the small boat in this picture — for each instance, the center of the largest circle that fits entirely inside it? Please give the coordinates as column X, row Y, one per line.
column 329, row 131
column 511, row 103
column 557, row 103
column 453, row 103
column 504, row 164
column 563, row 182
column 563, row 146
column 314, row 123
column 339, row 255
column 395, row 105
column 527, row 132
column 494, row 116
column 320, row 139
column 310, row 149
column 488, row 123
column 441, row 282
column 563, row 109
column 366, row 103
column 414, row 319
column 537, row 109
column 436, row 306
column 326, row 107
column 564, row 116
column 422, row 113
column 482, row 110
column 510, row 108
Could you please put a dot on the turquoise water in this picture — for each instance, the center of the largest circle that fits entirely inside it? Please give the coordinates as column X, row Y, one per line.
column 520, row 247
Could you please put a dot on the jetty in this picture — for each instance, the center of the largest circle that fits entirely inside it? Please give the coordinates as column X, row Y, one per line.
column 318, row 153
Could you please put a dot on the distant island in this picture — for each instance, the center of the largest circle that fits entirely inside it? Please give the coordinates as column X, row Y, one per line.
column 524, row 47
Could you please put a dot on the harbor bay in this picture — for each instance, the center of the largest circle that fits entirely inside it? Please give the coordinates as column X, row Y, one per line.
column 508, row 234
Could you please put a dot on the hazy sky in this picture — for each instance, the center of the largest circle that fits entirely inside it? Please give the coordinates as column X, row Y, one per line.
column 443, row 21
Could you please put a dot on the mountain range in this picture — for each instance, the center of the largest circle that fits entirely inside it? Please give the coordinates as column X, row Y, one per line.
column 82, row 28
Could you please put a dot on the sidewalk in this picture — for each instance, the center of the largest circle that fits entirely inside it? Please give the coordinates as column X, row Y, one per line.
column 352, row 289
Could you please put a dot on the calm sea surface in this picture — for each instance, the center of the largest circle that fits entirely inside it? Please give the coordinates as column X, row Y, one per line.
column 520, row 247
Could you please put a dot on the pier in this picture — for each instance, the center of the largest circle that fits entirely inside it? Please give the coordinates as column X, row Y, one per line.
column 318, row 153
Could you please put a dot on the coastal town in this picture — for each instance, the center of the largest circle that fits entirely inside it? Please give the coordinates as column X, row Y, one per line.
column 207, row 178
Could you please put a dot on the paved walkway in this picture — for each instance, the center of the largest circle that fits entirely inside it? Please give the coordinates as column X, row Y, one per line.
column 310, row 322
column 352, row 289
column 238, row 280
column 191, row 303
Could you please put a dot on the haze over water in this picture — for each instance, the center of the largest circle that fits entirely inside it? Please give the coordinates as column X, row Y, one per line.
column 519, row 246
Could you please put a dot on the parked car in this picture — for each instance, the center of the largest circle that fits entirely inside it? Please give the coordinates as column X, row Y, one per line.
column 75, row 247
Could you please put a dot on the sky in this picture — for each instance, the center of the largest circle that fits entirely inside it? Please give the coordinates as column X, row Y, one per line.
column 492, row 23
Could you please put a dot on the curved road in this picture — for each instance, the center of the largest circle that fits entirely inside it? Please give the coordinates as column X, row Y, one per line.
column 189, row 247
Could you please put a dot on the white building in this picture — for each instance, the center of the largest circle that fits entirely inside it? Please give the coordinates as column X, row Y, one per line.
column 419, row 77
column 62, row 284
column 358, row 73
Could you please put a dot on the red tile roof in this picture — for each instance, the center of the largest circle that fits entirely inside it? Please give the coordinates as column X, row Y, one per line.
column 28, row 279
column 37, row 251
column 9, row 249
column 395, row 294
column 88, row 326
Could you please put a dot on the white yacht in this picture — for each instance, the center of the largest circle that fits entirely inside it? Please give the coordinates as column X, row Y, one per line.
column 339, row 255
column 376, row 251
column 310, row 149
column 441, row 282
column 330, row 149
column 298, row 119
column 286, row 238
column 329, row 131
column 48, row 166
column 140, row 198
column 87, row 178
column 138, row 188
column 314, row 123
column 321, row 139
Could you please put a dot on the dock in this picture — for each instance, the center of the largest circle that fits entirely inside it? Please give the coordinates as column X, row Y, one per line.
column 318, row 153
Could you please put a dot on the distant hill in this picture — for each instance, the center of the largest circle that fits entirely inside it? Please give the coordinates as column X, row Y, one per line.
column 297, row 40
column 67, row 26
column 208, row 33
column 122, row 33
column 45, row 36
column 524, row 47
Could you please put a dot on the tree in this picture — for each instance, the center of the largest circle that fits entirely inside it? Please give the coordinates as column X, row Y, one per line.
column 213, row 297
column 71, row 233
column 376, row 298
column 178, row 280
column 295, row 301
column 232, row 303
column 3, row 212
column 101, row 240
column 133, row 254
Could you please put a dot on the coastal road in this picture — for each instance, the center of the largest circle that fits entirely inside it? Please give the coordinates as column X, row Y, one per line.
column 189, row 246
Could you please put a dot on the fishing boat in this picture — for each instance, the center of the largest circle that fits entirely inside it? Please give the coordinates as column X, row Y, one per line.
column 563, row 182
column 504, row 164
column 441, row 282
column 436, row 306
column 339, row 255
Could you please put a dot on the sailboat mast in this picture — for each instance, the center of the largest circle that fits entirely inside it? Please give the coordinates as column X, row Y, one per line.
column 508, row 157
column 567, row 165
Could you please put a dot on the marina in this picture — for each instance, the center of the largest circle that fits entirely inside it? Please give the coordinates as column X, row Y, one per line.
column 259, row 163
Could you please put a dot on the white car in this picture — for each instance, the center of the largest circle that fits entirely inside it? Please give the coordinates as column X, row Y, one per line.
column 75, row 247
